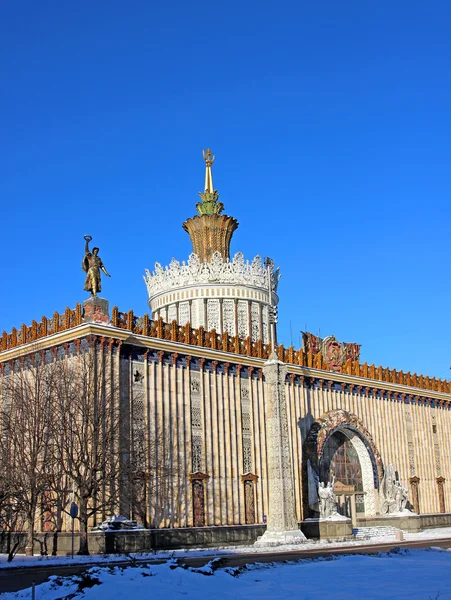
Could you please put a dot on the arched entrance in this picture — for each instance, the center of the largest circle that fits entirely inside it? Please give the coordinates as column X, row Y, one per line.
column 339, row 445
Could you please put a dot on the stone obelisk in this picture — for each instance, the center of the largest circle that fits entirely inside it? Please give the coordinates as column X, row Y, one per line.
column 282, row 524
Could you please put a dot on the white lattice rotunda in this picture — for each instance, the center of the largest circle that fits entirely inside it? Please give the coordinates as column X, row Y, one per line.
column 210, row 289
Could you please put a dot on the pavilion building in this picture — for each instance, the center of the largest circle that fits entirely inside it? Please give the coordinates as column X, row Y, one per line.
column 194, row 392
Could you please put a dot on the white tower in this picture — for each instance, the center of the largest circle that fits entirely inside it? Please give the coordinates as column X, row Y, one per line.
column 210, row 290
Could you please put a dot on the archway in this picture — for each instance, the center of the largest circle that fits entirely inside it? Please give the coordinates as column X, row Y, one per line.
column 339, row 444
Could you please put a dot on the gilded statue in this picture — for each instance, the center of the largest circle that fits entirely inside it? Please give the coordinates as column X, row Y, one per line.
column 92, row 265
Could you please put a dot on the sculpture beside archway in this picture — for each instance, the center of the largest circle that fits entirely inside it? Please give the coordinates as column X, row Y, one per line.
column 353, row 430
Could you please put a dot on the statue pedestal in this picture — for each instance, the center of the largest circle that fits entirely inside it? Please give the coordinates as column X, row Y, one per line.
column 328, row 529
column 95, row 310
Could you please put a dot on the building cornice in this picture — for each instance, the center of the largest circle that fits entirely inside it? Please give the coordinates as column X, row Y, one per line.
column 62, row 337
column 145, row 342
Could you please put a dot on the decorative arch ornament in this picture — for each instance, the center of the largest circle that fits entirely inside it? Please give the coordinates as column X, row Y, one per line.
column 327, row 425
column 370, row 459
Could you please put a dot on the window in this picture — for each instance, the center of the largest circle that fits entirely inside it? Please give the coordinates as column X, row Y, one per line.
column 343, row 462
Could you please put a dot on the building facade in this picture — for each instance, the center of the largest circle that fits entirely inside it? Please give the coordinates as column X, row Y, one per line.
column 190, row 386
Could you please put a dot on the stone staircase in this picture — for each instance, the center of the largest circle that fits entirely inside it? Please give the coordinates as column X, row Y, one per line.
column 367, row 533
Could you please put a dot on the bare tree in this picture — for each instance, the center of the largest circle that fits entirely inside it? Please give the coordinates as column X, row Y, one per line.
column 25, row 415
column 10, row 518
column 61, row 431
column 152, row 490
column 57, row 501
column 85, row 428
column 12, row 522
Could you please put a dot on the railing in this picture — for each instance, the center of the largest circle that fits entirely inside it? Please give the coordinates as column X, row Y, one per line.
column 36, row 331
column 210, row 339
column 186, row 334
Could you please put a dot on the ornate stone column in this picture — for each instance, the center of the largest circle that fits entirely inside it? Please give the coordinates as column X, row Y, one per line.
column 282, row 524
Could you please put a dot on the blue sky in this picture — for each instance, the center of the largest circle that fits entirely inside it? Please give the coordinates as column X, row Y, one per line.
column 331, row 124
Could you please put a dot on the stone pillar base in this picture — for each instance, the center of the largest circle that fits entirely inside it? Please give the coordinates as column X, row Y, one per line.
column 281, row 538
column 406, row 521
column 95, row 310
column 328, row 529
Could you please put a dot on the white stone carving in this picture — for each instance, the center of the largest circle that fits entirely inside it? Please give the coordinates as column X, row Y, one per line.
column 327, row 500
column 213, row 318
column 196, row 442
column 246, row 423
column 237, row 271
column 195, row 385
column 172, row 313
column 255, row 321
column 197, row 314
column 247, row 454
column 196, row 422
column 265, row 320
column 246, row 428
column 245, row 394
column 243, row 325
column 215, row 295
column 184, row 315
column 196, row 415
column 228, row 316
column 410, row 446
column 393, row 494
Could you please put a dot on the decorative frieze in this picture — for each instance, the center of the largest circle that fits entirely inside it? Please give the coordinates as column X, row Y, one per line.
column 438, row 465
column 196, row 422
column 243, row 323
column 138, row 417
column 246, row 427
column 410, row 446
column 213, row 314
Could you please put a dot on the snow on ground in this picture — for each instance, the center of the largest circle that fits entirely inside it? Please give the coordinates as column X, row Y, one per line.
column 33, row 561
column 405, row 574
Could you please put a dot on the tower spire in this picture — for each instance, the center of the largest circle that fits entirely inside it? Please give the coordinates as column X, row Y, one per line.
column 209, row 159
column 209, row 230
column 209, row 204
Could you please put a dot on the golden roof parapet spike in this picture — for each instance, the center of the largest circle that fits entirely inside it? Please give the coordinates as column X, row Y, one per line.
column 145, row 324
column 115, row 316
column 78, row 314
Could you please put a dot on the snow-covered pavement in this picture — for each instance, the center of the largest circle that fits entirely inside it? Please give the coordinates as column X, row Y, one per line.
column 403, row 575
